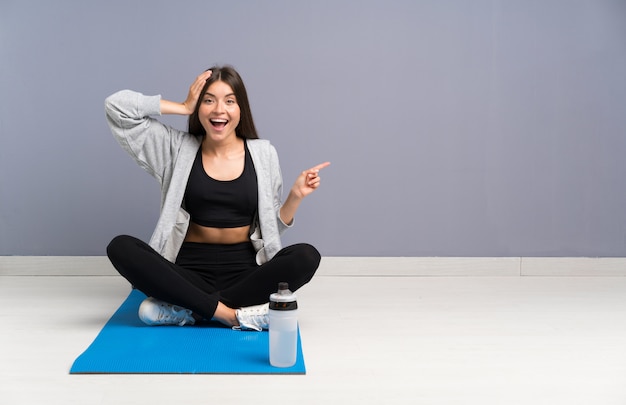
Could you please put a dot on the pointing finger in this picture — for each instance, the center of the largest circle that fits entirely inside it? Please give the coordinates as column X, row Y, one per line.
column 320, row 166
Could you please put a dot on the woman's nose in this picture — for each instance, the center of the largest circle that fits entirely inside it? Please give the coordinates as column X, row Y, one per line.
column 219, row 106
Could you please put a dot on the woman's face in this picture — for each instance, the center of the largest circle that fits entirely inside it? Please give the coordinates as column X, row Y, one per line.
column 219, row 112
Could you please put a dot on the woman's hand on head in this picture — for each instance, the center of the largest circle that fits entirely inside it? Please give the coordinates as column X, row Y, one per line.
column 308, row 181
column 194, row 91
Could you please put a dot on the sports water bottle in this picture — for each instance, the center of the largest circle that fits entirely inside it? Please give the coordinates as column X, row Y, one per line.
column 283, row 314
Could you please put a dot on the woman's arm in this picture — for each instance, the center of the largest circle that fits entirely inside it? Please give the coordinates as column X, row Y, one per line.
column 307, row 182
column 172, row 107
column 151, row 143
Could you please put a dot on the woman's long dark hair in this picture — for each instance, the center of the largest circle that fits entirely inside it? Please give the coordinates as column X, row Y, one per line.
column 228, row 75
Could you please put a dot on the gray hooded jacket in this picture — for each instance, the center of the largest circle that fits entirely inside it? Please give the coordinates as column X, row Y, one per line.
column 168, row 154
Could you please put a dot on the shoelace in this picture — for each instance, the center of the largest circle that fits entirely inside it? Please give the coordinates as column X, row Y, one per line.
column 255, row 318
column 169, row 313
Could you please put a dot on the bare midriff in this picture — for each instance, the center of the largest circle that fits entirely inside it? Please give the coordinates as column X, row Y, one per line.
column 219, row 236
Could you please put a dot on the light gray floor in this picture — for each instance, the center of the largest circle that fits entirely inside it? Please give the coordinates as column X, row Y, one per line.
column 366, row 340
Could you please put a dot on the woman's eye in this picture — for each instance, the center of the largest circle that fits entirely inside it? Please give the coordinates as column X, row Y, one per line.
column 208, row 101
column 231, row 101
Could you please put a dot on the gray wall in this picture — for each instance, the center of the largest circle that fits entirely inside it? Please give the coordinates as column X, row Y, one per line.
column 454, row 128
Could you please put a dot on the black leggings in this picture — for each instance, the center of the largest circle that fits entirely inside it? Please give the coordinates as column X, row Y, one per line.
column 206, row 274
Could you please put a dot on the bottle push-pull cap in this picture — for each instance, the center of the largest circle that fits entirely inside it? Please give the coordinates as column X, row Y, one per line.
column 283, row 300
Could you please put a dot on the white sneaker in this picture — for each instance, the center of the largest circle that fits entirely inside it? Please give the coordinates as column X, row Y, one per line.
column 155, row 312
column 253, row 318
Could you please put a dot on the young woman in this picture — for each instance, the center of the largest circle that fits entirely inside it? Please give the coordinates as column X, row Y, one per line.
column 216, row 251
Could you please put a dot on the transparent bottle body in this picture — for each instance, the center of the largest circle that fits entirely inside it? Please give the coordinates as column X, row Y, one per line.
column 283, row 336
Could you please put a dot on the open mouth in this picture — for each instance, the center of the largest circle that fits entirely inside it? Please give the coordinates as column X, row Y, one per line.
column 218, row 123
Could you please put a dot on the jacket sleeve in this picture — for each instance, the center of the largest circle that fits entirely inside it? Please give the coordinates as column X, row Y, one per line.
column 277, row 189
column 150, row 143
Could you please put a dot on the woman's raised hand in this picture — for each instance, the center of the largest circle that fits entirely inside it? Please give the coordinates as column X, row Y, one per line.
column 188, row 106
column 194, row 91
column 308, row 181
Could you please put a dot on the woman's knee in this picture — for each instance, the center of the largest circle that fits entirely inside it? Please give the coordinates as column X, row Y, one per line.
column 308, row 259
column 119, row 246
column 311, row 255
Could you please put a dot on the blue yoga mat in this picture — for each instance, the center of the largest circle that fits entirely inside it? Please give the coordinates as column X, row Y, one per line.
column 127, row 346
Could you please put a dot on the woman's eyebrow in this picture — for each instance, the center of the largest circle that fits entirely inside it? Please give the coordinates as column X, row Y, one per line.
column 213, row 95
